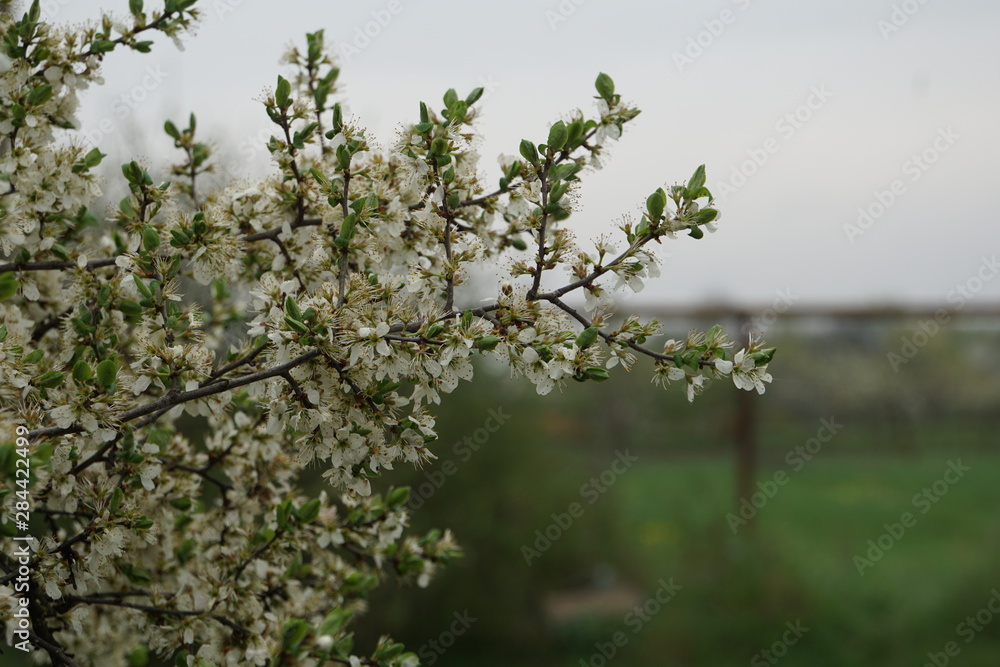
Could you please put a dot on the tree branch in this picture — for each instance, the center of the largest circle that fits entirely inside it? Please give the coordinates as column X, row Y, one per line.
column 172, row 399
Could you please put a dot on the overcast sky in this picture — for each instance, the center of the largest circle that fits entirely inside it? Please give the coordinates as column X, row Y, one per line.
column 834, row 99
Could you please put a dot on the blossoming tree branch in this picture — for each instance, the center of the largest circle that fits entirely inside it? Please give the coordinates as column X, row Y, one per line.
column 335, row 313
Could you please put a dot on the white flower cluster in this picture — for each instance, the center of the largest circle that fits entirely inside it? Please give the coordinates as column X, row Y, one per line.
column 312, row 318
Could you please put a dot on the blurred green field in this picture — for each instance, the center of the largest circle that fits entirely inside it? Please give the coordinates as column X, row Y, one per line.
column 666, row 518
column 794, row 562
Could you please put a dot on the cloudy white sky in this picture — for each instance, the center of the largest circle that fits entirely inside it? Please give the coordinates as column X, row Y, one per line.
column 716, row 81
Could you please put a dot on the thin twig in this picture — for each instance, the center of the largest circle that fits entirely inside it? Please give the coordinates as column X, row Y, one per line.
column 172, row 399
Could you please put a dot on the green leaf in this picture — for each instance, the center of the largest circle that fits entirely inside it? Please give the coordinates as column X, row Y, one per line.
column 60, row 251
column 89, row 161
column 596, row 374
column 8, row 285
column 284, row 513
column 696, row 181
column 704, row 216
column 130, row 309
column 388, row 651
column 348, row 228
column 116, row 500
column 309, row 511
column 172, row 130
column 150, row 239
column 398, row 497
column 282, row 92
column 450, row 98
column 102, row 46
column 656, row 203
column 186, row 550
column 439, row 146
column 94, row 157
column 314, row 40
column 528, row 151
column 519, row 243
column 699, row 193
column 143, row 287
column 292, row 308
column 605, row 87
column 139, row 656
column 107, row 372
column 144, row 523
column 135, row 6
column 558, row 191
column 587, row 337
column 338, row 119
column 296, row 325
column 474, row 96
column 763, row 357
column 293, row 633
column 82, row 371
column 695, row 232
column 334, row 622
column 180, row 237
column 487, row 343
column 50, row 380
column 129, row 172
column 574, row 132
column 557, row 137
column 125, row 206
column 40, row 94
column 199, row 225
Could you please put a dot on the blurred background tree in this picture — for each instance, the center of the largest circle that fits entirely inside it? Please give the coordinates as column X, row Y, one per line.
column 665, row 517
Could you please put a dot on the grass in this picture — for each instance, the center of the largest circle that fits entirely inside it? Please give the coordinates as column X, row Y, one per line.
column 795, row 561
